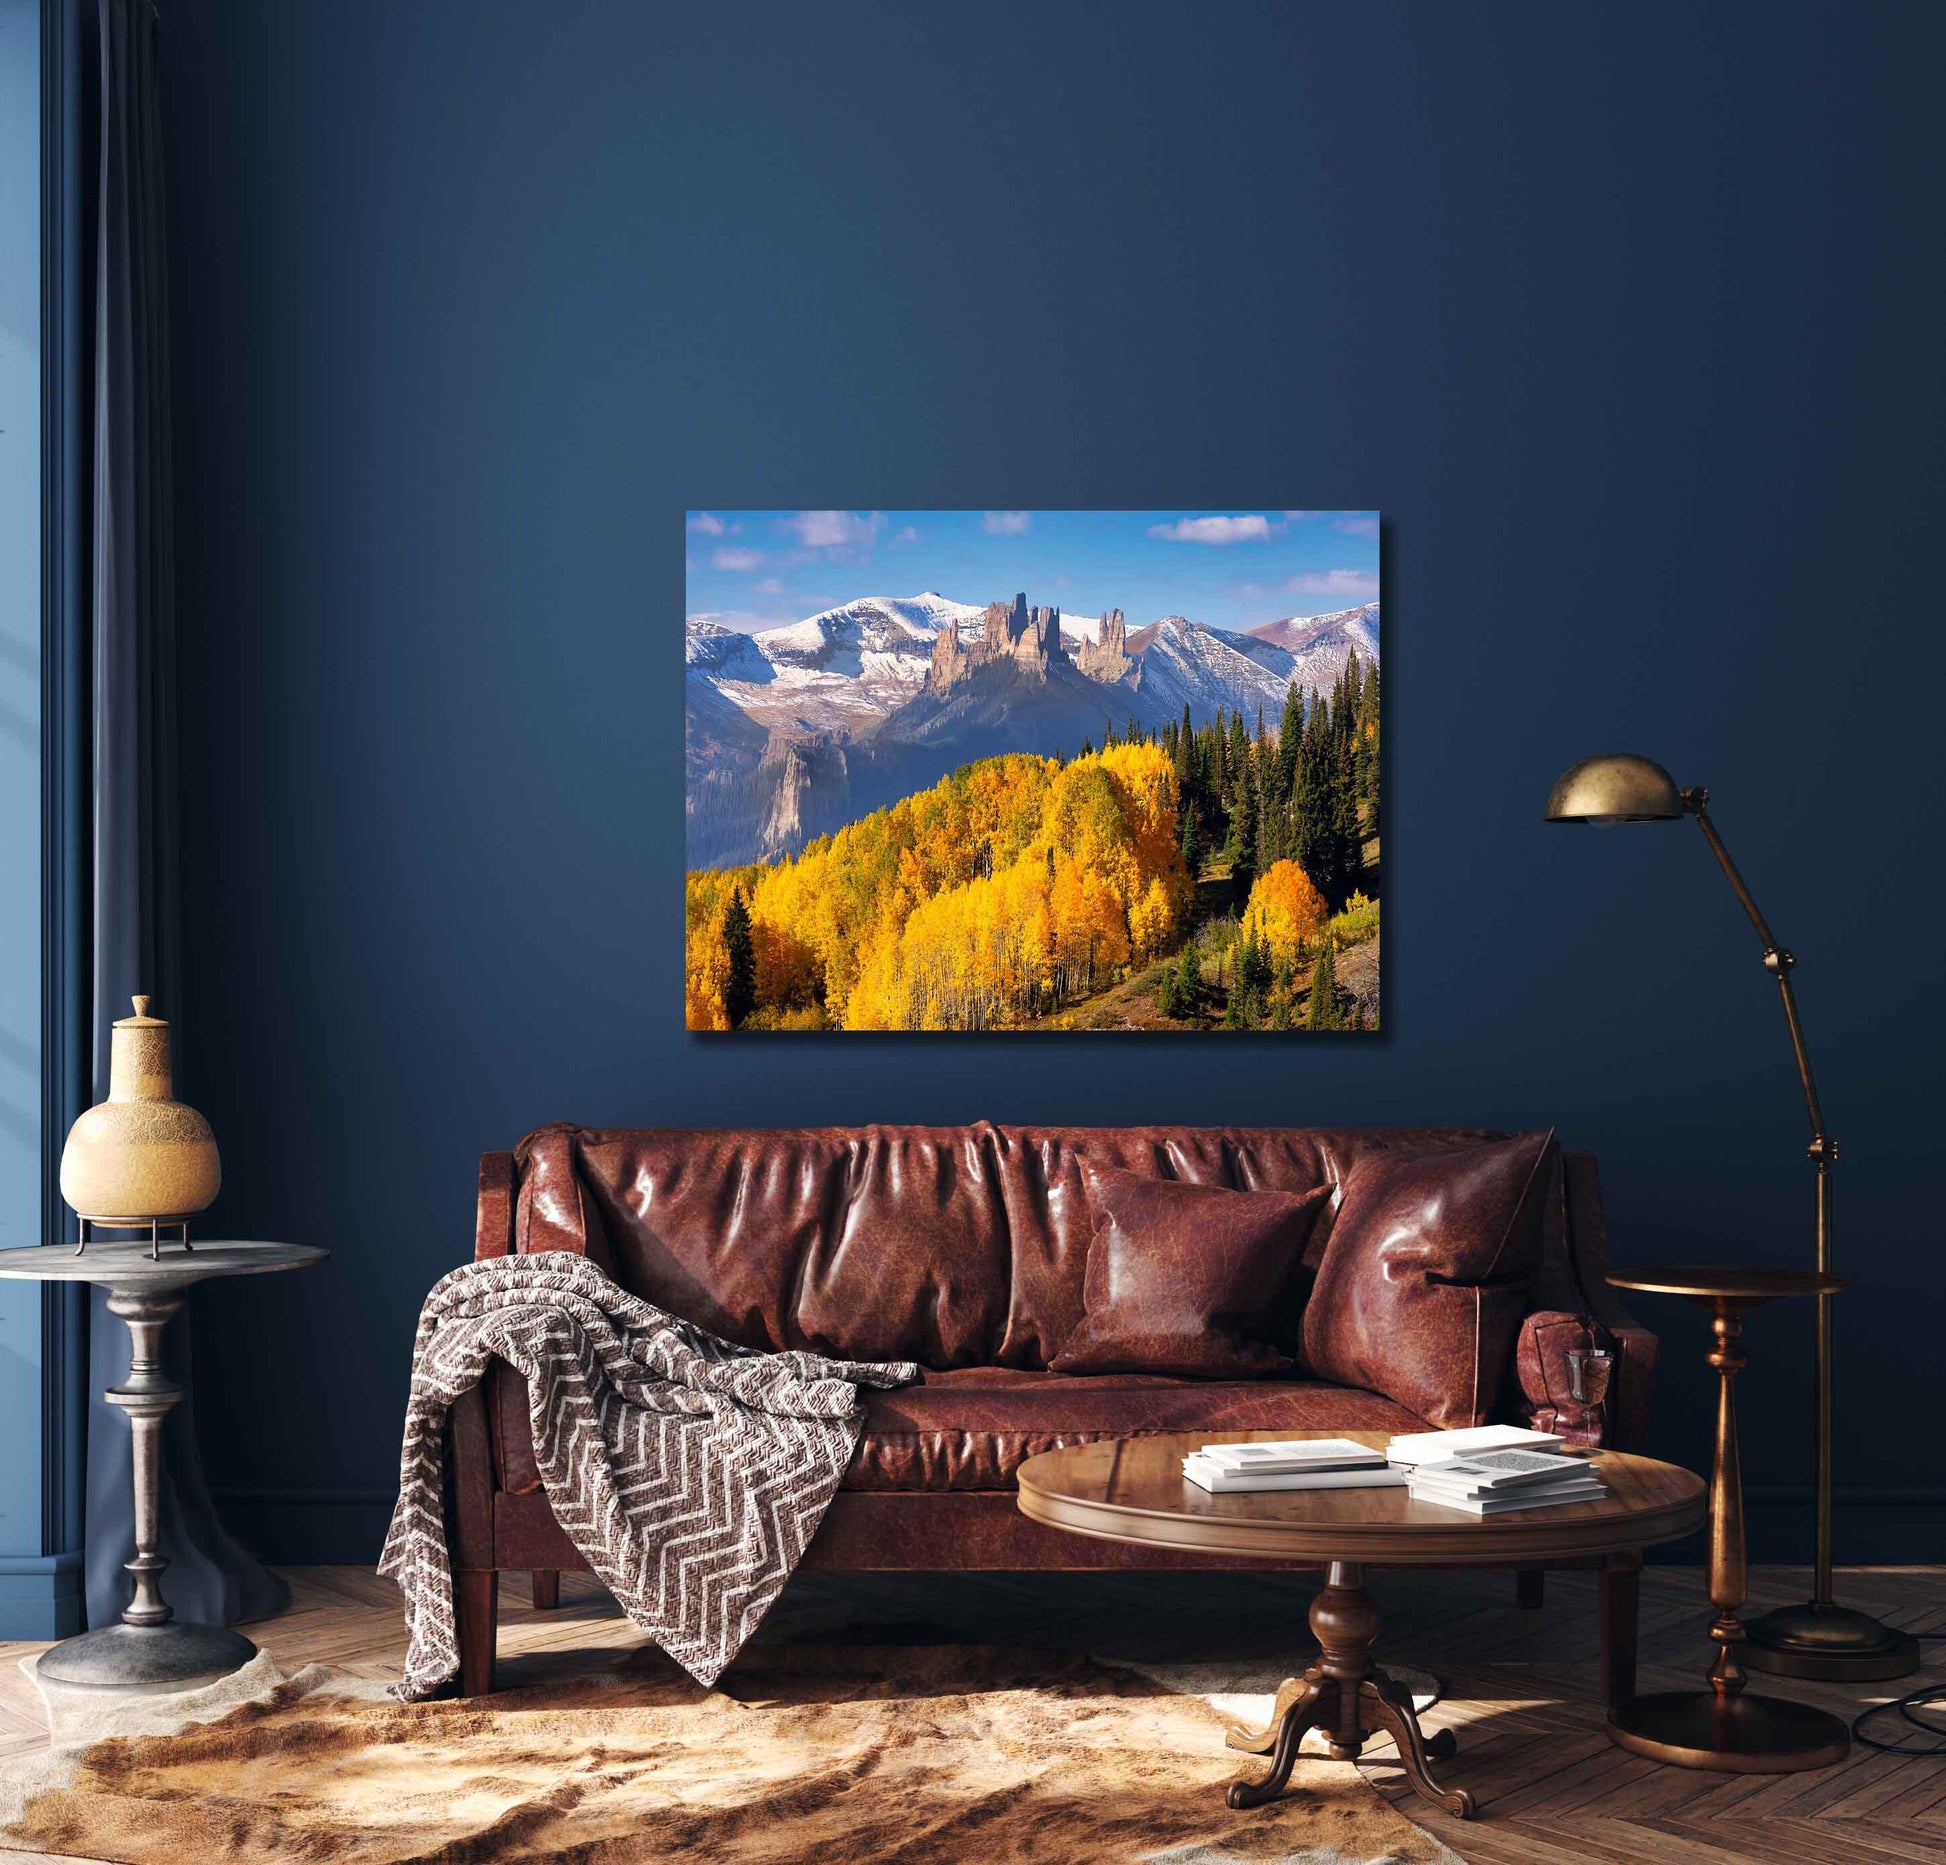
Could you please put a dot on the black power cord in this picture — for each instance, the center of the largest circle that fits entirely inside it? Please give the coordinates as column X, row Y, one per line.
column 1907, row 1707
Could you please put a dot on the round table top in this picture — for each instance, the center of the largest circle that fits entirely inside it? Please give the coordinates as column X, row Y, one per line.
column 1133, row 1490
column 1706, row 1282
column 125, row 1263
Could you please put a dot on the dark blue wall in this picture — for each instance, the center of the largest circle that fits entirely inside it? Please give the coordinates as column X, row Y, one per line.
column 1629, row 319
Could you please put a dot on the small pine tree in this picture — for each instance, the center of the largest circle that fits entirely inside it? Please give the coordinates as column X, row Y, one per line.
column 1254, row 972
column 1180, row 992
column 1192, row 842
column 1240, row 844
column 1323, row 1011
column 740, row 950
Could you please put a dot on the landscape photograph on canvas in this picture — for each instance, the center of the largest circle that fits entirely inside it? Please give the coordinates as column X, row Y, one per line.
column 1098, row 771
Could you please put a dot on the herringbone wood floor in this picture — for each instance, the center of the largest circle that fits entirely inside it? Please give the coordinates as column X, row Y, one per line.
column 1521, row 1690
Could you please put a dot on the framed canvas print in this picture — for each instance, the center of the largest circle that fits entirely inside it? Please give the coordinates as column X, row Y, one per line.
column 1099, row 771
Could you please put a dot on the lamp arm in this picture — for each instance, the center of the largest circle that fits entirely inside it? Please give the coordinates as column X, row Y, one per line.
column 1779, row 963
column 1823, row 1152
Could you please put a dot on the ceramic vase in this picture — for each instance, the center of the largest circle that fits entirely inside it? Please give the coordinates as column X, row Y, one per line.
column 140, row 1155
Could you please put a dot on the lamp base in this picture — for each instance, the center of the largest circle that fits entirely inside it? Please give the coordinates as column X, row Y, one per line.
column 1728, row 1735
column 1831, row 1644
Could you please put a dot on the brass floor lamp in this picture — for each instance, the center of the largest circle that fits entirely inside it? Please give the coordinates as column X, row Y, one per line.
column 1819, row 1639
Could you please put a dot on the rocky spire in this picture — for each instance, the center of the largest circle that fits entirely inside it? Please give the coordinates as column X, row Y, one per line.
column 1106, row 658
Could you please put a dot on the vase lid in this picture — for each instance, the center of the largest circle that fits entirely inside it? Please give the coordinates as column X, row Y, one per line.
column 141, row 1019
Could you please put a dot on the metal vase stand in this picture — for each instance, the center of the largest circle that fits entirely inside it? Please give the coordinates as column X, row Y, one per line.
column 155, row 1226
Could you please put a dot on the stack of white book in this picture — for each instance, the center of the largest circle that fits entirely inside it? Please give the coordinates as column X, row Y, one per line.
column 1496, row 1482
column 1295, row 1463
column 1424, row 1447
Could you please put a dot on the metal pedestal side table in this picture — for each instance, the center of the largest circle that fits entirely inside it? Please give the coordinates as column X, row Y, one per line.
column 1725, row 1727
column 151, row 1649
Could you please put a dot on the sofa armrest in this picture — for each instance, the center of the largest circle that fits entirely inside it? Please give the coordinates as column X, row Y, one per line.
column 493, row 1222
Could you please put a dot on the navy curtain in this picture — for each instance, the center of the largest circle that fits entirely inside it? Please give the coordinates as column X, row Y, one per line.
column 129, row 571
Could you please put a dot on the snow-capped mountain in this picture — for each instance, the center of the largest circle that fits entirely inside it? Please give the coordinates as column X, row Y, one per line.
column 1317, row 646
column 1186, row 663
column 798, row 728
column 722, row 653
column 845, row 669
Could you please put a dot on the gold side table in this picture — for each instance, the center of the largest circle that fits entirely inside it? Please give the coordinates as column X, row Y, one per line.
column 1724, row 1727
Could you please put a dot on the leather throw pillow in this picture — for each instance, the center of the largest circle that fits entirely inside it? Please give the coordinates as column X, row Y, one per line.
column 1195, row 1280
column 1425, row 1273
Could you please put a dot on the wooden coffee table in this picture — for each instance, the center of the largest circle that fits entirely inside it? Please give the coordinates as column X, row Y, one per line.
column 1133, row 1490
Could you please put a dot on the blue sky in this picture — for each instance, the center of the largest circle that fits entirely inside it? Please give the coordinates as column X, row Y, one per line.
column 1232, row 569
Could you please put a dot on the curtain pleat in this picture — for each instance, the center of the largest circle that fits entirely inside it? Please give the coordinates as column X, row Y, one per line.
column 135, row 894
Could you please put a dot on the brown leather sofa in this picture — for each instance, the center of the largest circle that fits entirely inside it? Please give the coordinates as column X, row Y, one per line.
column 963, row 1248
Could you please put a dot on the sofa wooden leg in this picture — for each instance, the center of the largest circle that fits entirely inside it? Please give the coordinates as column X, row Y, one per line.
column 547, row 1588
column 476, row 1602
column 1530, row 1588
column 1621, row 1578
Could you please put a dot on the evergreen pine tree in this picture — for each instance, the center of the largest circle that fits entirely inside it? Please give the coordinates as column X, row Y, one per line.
column 1180, row 992
column 1290, row 737
column 1311, row 814
column 1368, row 746
column 1192, row 841
column 1238, row 755
column 1254, row 974
column 1323, row 1011
column 1348, row 842
column 1240, row 845
column 740, row 950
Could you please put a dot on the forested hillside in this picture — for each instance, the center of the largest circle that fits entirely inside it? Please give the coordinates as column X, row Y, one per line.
column 1204, row 876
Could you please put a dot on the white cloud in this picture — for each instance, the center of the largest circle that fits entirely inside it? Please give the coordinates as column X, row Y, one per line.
column 735, row 557
column 1007, row 524
column 1253, row 529
column 707, row 524
column 1357, row 524
column 1351, row 585
column 909, row 535
column 770, row 586
column 835, row 530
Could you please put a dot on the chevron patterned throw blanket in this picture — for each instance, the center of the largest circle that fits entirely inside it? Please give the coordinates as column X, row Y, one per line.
column 690, row 1473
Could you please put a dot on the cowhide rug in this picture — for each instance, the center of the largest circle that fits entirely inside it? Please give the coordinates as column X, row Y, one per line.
column 918, row 1755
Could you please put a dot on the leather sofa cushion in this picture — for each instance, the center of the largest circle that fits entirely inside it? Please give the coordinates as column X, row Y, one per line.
column 972, row 1429
column 1195, row 1280
column 1425, row 1275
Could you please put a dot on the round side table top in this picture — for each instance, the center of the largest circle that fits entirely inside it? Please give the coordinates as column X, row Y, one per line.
column 127, row 1264
column 1133, row 1490
column 1710, row 1281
